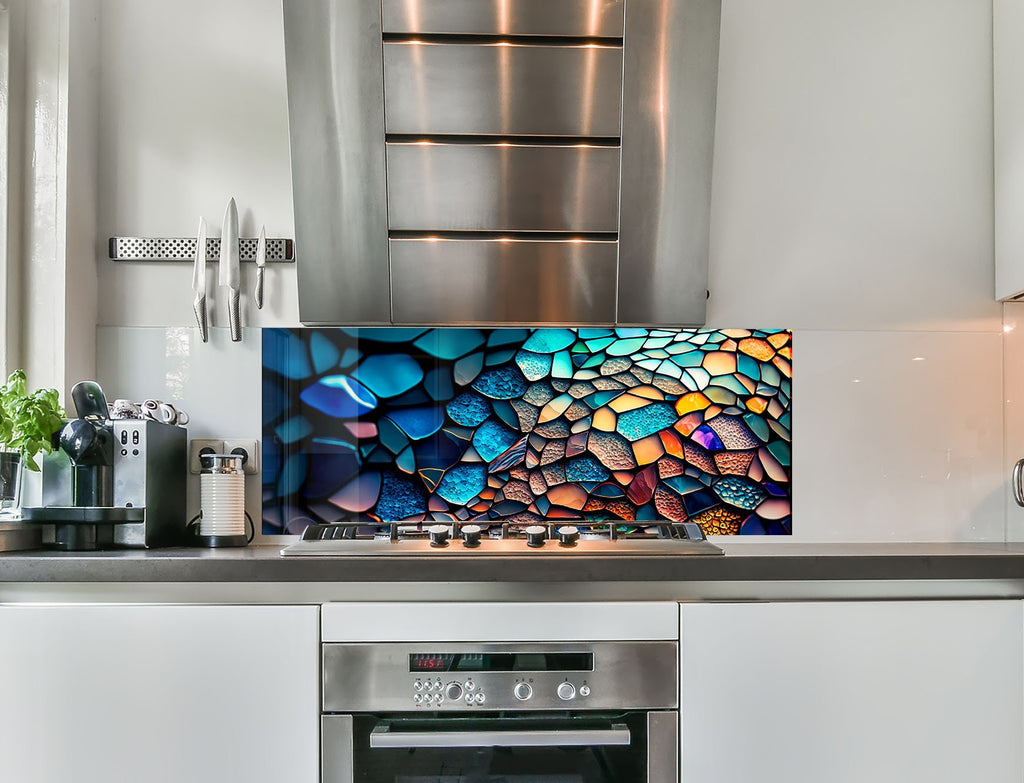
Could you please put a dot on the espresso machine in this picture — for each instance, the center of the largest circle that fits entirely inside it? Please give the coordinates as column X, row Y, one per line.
column 112, row 483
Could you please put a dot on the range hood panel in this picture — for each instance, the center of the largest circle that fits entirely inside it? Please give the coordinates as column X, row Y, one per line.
column 502, row 282
column 502, row 188
column 336, row 127
column 492, row 89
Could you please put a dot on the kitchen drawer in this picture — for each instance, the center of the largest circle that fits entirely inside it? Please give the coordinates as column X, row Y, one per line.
column 598, row 18
column 502, row 187
column 502, row 89
column 503, row 281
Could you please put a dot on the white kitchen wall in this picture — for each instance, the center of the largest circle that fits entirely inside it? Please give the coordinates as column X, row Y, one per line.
column 852, row 203
column 193, row 112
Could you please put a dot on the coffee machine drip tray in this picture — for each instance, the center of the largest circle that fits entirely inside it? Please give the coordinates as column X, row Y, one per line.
column 78, row 528
column 92, row 515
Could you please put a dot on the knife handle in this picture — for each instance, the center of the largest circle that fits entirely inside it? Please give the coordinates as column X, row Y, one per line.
column 199, row 306
column 234, row 318
column 258, row 294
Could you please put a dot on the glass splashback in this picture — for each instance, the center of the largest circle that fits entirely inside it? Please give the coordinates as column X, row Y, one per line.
column 520, row 425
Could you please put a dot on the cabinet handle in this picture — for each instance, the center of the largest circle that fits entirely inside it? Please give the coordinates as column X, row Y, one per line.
column 1018, row 486
column 382, row 737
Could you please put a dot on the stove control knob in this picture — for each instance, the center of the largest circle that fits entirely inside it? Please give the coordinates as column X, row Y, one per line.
column 535, row 535
column 584, row 690
column 523, row 691
column 438, row 535
column 566, row 691
column 471, row 535
column 453, row 692
column 568, row 535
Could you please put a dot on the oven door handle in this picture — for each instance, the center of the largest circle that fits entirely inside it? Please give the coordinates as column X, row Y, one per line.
column 383, row 737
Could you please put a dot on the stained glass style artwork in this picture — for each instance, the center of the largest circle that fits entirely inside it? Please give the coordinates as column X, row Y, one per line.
column 522, row 425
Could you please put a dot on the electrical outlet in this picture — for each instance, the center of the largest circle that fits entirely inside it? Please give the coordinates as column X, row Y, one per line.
column 250, row 450
column 199, row 446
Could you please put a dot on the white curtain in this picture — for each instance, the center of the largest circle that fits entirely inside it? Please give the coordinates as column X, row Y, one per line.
column 48, row 247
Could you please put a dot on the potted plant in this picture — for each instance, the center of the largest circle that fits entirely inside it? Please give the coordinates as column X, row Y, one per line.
column 28, row 423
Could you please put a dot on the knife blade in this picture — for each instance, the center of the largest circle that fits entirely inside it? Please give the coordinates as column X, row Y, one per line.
column 199, row 281
column 261, row 262
column 229, row 272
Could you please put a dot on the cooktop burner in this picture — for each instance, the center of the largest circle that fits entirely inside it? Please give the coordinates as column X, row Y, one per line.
column 567, row 537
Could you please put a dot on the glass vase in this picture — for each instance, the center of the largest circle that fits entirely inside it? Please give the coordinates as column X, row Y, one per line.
column 11, row 469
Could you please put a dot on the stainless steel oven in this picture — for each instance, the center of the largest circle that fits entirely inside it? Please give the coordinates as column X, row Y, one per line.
column 517, row 712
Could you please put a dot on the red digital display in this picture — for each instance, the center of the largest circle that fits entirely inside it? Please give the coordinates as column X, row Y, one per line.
column 430, row 662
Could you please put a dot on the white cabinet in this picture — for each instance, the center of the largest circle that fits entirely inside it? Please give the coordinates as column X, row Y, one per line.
column 908, row 692
column 1008, row 127
column 162, row 694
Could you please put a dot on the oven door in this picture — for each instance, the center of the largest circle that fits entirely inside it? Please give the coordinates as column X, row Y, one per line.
column 631, row 747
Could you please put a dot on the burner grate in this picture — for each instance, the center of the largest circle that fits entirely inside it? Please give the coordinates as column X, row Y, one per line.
column 370, row 529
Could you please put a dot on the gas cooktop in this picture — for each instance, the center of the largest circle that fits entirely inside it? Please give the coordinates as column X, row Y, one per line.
column 565, row 538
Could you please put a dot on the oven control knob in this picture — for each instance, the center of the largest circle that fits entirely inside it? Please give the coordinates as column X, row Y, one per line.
column 523, row 691
column 568, row 535
column 566, row 691
column 535, row 535
column 453, row 692
column 438, row 535
column 584, row 690
column 471, row 535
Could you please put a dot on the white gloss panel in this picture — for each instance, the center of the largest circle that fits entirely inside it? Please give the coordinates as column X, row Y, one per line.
column 852, row 692
column 219, row 383
column 503, row 622
column 162, row 694
column 897, row 437
column 1008, row 117
column 853, row 166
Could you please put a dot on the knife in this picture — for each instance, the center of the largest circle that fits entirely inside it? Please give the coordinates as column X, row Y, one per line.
column 261, row 262
column 229, row 274
column 199, row 281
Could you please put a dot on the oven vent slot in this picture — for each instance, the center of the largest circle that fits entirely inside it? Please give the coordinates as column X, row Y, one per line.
column 540, row 18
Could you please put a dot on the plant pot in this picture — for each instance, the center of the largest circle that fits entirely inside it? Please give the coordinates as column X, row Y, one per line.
column 11, row 469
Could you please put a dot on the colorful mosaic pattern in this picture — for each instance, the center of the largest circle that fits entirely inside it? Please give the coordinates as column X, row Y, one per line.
column 519, row 425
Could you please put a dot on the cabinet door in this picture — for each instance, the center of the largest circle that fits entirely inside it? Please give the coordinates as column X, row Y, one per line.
column 162, row 694
column 852, row 692
column 1008, row 120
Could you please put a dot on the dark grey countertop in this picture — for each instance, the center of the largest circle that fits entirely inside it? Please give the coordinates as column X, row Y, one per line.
column 766, row 561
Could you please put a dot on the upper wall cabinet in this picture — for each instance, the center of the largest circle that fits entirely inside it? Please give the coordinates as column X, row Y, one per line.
column 1008, row 104
column 502, row 161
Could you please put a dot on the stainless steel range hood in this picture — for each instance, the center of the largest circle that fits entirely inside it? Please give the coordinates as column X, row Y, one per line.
column 502, row 161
